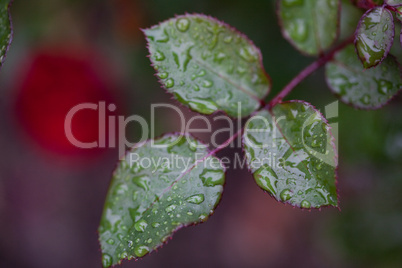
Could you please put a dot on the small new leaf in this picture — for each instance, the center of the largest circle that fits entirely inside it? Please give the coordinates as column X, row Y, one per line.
column 5, row 29
column 366, row 89
column 310, row 25
column 207, row 65
column 374, row 36
column 292, row 156
column 158, row 188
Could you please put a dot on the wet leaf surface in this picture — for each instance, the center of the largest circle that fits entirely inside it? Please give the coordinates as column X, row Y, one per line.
column 157, row 189
column 310, row 25
column 374, row 36
column 367, row 89
column 291, row 153
column 207, row 65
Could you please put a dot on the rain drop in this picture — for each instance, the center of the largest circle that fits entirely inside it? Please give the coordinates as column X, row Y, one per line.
column 212, row 178
column 169, row 83
column 141, row 225
column 141, row 250
column 196, row 199
column 182, row 24
column 170, row 208
column 107, row 260
column 159, row 56
column 305, row 204
column 286, row 195
column 265, row 177
column 384, row 86
column 142, row 181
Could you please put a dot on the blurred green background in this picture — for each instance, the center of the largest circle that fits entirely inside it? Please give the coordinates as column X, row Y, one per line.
column 51, row 195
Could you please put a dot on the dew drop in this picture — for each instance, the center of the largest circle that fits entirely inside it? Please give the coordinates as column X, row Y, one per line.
column 170, row 208
column 159, row 56
column 182, row 24
column 141, row 250
column 384, row 86
column 203, row 217
column 212, row 178
column 107, row 260
column 265, row 177
column 196, row 199
column 286, row 195
column 305, row 204
column 248, row 54
column 163, row 75
column 135, row 195
column 206, row 83
column 142, row 181
column 169, row 83
column 298, row 30
column 228, row 39
column 123, row 255
column 315, row 143
column 204, row 106
column 365, row 99
column 291, row 182
column 141, row 225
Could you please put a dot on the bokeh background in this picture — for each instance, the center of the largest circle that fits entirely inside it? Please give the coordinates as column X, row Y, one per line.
column 67, row 52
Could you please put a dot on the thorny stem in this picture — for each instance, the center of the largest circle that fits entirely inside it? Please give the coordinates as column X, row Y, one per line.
column 292, row 84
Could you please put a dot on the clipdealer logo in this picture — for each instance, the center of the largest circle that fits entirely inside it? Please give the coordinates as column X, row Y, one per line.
column 112, row 134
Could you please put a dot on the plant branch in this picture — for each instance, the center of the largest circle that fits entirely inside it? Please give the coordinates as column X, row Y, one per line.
column 393, row 9
column 226, row 143
column 307, row 71
column 292, row 84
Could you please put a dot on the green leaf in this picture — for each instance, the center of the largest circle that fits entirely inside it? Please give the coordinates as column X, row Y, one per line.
column 5, row 29
column 367, row 89
column 207, row 65
column 374, row 36
column 310, row 25
column 158, row 188
column 291, row 153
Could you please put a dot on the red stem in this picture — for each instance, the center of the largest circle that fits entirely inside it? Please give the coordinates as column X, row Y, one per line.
column 226, row 143
column 307, row 71
column 393, row 9
column 289, row 87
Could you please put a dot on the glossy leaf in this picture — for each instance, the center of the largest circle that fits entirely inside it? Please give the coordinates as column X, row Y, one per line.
column 374, row 36
column 367, row 89
column 310, row 25
column 5, row 29
column 158, row 188
column 207, row 65
column 291, row 153
column 393, row 2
